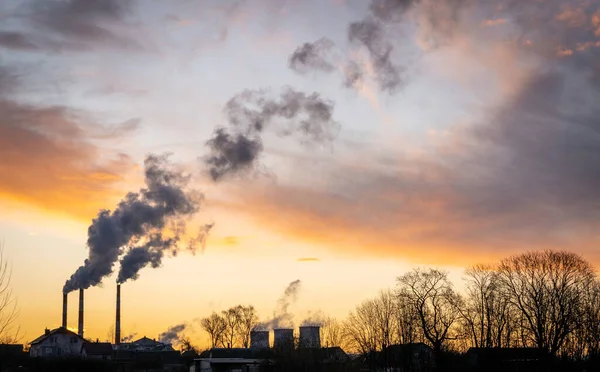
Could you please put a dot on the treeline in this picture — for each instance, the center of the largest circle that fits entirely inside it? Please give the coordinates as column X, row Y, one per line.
column 548, row 300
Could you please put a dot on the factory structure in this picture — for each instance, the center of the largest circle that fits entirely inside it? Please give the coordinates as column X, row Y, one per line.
column 64, row 343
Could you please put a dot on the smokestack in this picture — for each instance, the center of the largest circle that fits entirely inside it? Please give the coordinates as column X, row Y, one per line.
column 118, row 317
column 64, row 314
column 80, row 329
column 310, row 337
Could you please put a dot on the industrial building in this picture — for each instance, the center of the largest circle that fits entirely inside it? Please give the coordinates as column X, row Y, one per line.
column 64, row 343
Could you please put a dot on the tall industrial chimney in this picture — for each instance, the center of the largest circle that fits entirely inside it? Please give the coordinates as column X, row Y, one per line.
column 118, row 317
column 64, row 313
column 80, row 329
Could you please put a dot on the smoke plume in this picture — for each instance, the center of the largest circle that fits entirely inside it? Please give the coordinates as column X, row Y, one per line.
column 370, row 33
column 314, row 319
column 238, row 147
column 139, row 222
column 312, row 56
column 282, row 317
column 172, row 334
column 128, row 338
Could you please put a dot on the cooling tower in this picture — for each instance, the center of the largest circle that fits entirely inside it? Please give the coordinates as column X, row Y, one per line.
column 80, row 325
column 118, row 317
column 259, row 339
column 283, row 338
column 64, row 313
column 310, row 337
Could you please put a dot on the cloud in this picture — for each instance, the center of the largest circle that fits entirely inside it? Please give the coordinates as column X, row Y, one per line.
column 53, row 157
column 16, row 41
column 522, row 175
column 307, row 259
column 74, row 24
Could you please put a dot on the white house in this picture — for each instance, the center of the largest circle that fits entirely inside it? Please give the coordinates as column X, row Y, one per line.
column 57, row 343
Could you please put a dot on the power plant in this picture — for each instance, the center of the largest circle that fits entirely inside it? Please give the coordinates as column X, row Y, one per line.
column 259, row 339
column 310, row 337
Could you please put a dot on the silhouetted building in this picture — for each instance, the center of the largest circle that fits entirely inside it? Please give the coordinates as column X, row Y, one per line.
column 97, row 350
column 505, row 359
column 411, row 357
column 229, row 360
column 57, row 343
column 145, row 344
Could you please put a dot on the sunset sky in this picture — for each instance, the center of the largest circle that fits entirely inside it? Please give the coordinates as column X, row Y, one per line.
column 484, row 144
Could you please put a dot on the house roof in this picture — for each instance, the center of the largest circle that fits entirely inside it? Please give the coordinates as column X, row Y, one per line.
column 60, row 330
column 146, row 342
column 97, row 348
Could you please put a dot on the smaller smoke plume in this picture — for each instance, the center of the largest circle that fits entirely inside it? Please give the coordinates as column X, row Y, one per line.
column 238, row 148
column 316, row 319
column 200, row 239
column 172, row 334
column 282, row 318
column 128, row 338
column 312, row 56
column 370, row 34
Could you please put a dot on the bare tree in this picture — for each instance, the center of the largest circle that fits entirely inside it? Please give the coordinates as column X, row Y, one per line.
column 371, row 326
column 248, row 319
column 215, row 326
column 548, row 288
column 231, row 318
column 433, row 299
column 332, row 333
column 185, row 344
column 486, row 313
column 9, row 312
column 407, row 322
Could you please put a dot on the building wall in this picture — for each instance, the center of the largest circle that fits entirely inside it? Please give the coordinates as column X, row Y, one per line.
column 57, row 345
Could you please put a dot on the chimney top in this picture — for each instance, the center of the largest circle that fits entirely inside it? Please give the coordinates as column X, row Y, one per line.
column 46, row 331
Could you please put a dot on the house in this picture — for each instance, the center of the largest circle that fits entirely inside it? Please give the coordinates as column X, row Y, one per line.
column 230, row 360
column 409, row 357
column 97, row 350
column 57, row 343
column 146, row 344
column 521, row 359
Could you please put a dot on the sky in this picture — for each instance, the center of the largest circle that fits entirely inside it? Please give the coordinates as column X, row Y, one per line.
column 339, row 142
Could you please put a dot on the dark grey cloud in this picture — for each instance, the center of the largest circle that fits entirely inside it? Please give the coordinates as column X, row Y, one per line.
column 79, row 24
column 312, row 56
column 172, row 334
column 237, row 148
column 17, row 41
column 138, row 220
